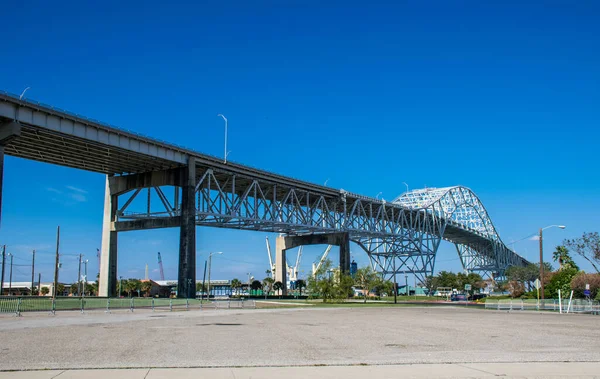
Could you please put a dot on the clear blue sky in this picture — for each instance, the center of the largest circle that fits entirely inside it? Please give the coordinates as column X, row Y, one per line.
column 500, row 98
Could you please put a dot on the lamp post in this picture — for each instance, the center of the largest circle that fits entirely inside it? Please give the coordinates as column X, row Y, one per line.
column 542, row 255
column 10, row 275
column 209, row 263
column 225, row 155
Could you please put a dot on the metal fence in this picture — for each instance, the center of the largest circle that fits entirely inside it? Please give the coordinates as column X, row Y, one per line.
column 564, row 306
column 18, row 305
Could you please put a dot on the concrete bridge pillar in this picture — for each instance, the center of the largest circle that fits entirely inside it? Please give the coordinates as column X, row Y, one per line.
column 184, row 177
column 8, row 131
column 283, row 243
column 107, row 285
column 186, row 277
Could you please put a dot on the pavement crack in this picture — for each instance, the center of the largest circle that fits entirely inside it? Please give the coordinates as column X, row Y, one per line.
column 147, row 372
column 480, row 370
column 60, row 373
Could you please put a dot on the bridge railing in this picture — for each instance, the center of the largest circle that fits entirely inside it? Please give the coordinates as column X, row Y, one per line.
column 554, row 305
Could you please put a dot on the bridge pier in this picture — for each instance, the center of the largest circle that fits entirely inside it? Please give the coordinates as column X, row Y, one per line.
column 107, row 281
column 184, row 177
column 283, row 243
column 186, row 277
column 8, row 131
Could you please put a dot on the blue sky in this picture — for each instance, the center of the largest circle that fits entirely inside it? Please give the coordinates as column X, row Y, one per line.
column 502, row 98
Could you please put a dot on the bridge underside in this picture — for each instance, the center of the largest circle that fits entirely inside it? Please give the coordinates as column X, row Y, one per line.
column 401, row 236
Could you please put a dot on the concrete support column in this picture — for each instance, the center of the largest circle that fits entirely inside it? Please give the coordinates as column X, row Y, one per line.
column 289, row 242
column 1, row 178
column 8, row 132
column 186, row 277
column 108, row 259
column 280, row 263
column 343, row 239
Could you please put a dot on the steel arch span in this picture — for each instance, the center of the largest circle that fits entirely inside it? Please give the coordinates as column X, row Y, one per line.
column 454, row 214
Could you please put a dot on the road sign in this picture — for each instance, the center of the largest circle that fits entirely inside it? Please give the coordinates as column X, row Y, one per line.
column 587, row 286
column 586, row 292
column 467, row 287
column 537, row 284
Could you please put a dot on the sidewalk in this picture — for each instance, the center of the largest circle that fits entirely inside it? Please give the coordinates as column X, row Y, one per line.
column 467, row 370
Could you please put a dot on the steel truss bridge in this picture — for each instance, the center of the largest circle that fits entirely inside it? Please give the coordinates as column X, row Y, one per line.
column 151, row 184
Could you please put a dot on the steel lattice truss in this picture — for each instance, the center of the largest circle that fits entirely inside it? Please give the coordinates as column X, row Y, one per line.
column 400, row 237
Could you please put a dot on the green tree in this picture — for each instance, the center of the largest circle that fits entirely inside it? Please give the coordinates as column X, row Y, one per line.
column 587, row 246
column 431, row 282
column 236, row 284
column 255, row 285
column 560, row 280
column 562, row 256
column 344, row 284
column 321, row 284
column 366, row 278
column 60, row 289
column 45, row 291
column 132, row 285
column 278, row 286
column 146, row 287
column 300, row 284
column 74, row 288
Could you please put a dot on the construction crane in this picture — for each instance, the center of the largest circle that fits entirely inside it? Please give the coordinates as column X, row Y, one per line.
column 316, row 267
column 160, row 265
column 271, row 265
column 292, row 272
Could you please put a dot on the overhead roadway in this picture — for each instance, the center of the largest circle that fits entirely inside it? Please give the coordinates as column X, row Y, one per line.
column 399, row 236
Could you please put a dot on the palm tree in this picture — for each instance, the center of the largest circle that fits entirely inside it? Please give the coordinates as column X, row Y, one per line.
column 235, row 285
column 45, row 291
column 300, row 284
column 561, row 254
column 278, row 286
column 146, row 287
column 267, row 285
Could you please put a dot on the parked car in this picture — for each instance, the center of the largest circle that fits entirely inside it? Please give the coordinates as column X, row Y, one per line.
column 458, row 297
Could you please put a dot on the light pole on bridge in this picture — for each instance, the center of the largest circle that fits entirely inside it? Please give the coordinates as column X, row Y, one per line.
column 225, row 153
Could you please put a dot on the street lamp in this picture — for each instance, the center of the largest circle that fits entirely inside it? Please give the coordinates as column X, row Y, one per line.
column 542, row 255
column 209, row 262
column 225, row 154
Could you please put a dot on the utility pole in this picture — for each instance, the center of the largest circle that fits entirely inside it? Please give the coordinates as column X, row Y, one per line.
column 33, row 272
column 395, row 284
column 10, row 276
column 54, row 289
column 204, row 280
column 542, row 264
column 3, row 264
column 79, row 276
column 39, row 283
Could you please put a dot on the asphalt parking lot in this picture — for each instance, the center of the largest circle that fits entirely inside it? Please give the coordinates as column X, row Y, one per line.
column 294, row 337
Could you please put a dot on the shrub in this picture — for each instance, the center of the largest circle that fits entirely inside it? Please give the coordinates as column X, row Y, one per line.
column 581, row 279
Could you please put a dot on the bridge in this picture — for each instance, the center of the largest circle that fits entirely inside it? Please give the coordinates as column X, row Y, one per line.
column 153, row 184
